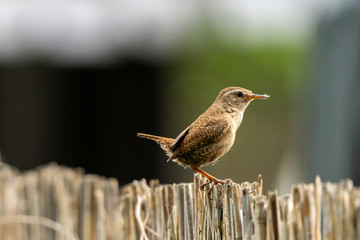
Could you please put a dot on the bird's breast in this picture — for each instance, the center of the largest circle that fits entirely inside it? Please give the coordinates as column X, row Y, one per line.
column 236, row 120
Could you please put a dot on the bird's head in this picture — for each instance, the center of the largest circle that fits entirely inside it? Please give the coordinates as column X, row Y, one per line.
column 236, row 98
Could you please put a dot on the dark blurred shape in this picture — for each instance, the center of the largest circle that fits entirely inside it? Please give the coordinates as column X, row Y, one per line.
column 334, row 137
column 80, row 117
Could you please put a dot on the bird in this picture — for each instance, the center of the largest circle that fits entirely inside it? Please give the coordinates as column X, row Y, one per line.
column 211, row 135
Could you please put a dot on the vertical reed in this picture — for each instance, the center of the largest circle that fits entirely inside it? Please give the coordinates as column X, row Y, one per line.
column 60, row 203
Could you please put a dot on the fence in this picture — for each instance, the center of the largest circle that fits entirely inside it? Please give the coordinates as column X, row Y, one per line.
column 54, row 202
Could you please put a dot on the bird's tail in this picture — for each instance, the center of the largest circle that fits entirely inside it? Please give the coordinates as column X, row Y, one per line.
column 164, row 142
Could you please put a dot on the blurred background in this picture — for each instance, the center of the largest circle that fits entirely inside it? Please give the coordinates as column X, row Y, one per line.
column 79, row 79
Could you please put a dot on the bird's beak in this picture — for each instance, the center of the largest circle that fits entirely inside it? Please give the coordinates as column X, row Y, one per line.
column 255, row 96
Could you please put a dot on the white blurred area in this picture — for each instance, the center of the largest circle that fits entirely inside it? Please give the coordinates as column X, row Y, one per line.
column 89, row 31
column 85, row 31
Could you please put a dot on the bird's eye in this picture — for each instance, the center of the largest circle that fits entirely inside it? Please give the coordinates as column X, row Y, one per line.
column 239, row 94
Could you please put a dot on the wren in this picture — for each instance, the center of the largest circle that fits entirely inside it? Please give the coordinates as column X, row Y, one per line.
column 211, row 135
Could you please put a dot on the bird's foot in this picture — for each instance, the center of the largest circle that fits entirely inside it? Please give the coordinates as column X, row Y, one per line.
column 212, row 181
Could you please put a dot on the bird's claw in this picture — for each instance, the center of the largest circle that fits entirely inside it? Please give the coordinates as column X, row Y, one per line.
column 202, row 186
column 212, row 182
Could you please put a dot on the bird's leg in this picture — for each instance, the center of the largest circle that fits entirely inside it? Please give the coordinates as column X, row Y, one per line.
column 211, row 179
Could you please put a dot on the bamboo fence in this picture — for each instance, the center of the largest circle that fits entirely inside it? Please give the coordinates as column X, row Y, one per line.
column 54, row 202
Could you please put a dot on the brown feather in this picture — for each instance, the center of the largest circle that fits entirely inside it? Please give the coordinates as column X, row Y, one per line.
column 164, row 142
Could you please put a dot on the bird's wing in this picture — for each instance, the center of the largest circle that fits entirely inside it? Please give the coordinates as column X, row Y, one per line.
column 198, row 135
column 179, row 139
